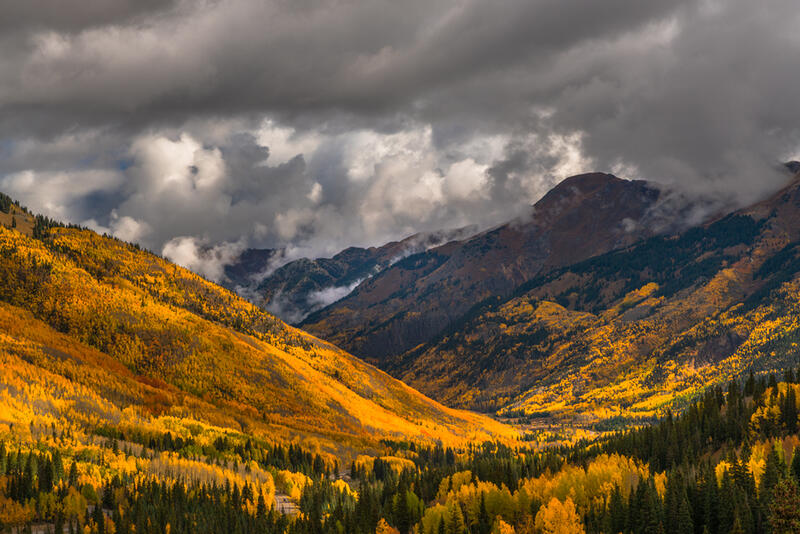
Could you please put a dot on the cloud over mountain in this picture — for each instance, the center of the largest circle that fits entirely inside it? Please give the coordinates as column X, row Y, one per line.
column 314, row 125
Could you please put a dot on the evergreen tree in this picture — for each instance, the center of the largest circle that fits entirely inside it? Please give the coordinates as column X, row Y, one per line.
column 484, row 522
column 750, row 385
column 616, row 511
column 402, row 515
column 72, row 479
column 456, row 520
column 99, row 518
column 795, row 470
column 684, row 524
column 727, row 504
column 784, row 510
column 58, row 466
column 59, row 523
column 773, row 469
column 789, row 411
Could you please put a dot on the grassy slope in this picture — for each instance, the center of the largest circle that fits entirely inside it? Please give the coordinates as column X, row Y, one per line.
column 128, row 329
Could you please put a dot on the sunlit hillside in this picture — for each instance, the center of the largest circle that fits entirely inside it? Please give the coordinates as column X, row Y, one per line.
column 146, row 339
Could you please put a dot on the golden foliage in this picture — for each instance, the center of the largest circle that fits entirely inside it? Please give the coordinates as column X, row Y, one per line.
column 559, row 518
column 125, row 336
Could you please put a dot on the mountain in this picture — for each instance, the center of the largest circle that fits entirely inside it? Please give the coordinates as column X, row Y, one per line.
column 626, row 334
column 415, row 299
column 138, row 397
column 97, row 333
column 300, row 287
column 250, row 266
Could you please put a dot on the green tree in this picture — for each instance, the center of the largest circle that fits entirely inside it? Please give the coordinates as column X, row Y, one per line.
column 796, row 464
column 789, row 410
column 784, row 510
column 684, row 524
column 484, row 522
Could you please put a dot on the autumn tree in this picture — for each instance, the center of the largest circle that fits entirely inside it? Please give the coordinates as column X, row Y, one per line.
column 558, row 518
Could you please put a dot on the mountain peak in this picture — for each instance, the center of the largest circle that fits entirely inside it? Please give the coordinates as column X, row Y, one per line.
column 590, row 184
column 408, row 303
column 586, row 182
column 607, row 198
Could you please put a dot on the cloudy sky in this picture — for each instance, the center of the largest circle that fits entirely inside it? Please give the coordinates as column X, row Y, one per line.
column 315, row 125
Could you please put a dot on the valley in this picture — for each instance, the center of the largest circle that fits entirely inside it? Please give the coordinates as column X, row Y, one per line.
column 603, row 386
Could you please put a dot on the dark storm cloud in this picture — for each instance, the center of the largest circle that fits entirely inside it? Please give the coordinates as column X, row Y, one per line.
column 242, row 55
column 73, row 15
column 319, row 124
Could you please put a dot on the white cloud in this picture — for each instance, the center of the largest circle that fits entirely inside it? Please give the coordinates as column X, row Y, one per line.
column 56, row 193
column 207, row 261
column 329, row 295
column 285, row 143
column 128, row 228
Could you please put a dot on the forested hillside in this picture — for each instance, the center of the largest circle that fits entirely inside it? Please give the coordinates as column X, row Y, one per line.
column 196, row 342
column 729, row 463
column 623, row 335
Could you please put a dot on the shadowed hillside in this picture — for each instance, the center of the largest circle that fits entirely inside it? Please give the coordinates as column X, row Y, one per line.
column 300, row 287
column 424, row 294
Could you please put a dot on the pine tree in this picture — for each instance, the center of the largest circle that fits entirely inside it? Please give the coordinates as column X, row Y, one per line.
column 27, row 478
column 684, row 524
column 616, row 511
column 261, row 508
column 727, row 503
column 789, row 410
column 484, row 522
column 773, row 469
column 99, row 518
column 73, row 475
column 58, row 466
column 750, row 385
column 59, row 523
column 456, row 520
column 784, row 510
column 796, row 464
column 401, row 513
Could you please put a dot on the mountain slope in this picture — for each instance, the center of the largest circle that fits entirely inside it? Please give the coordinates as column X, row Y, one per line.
column 145, row 335
column 303, row 286
column 634, row 330
column 420, row 296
